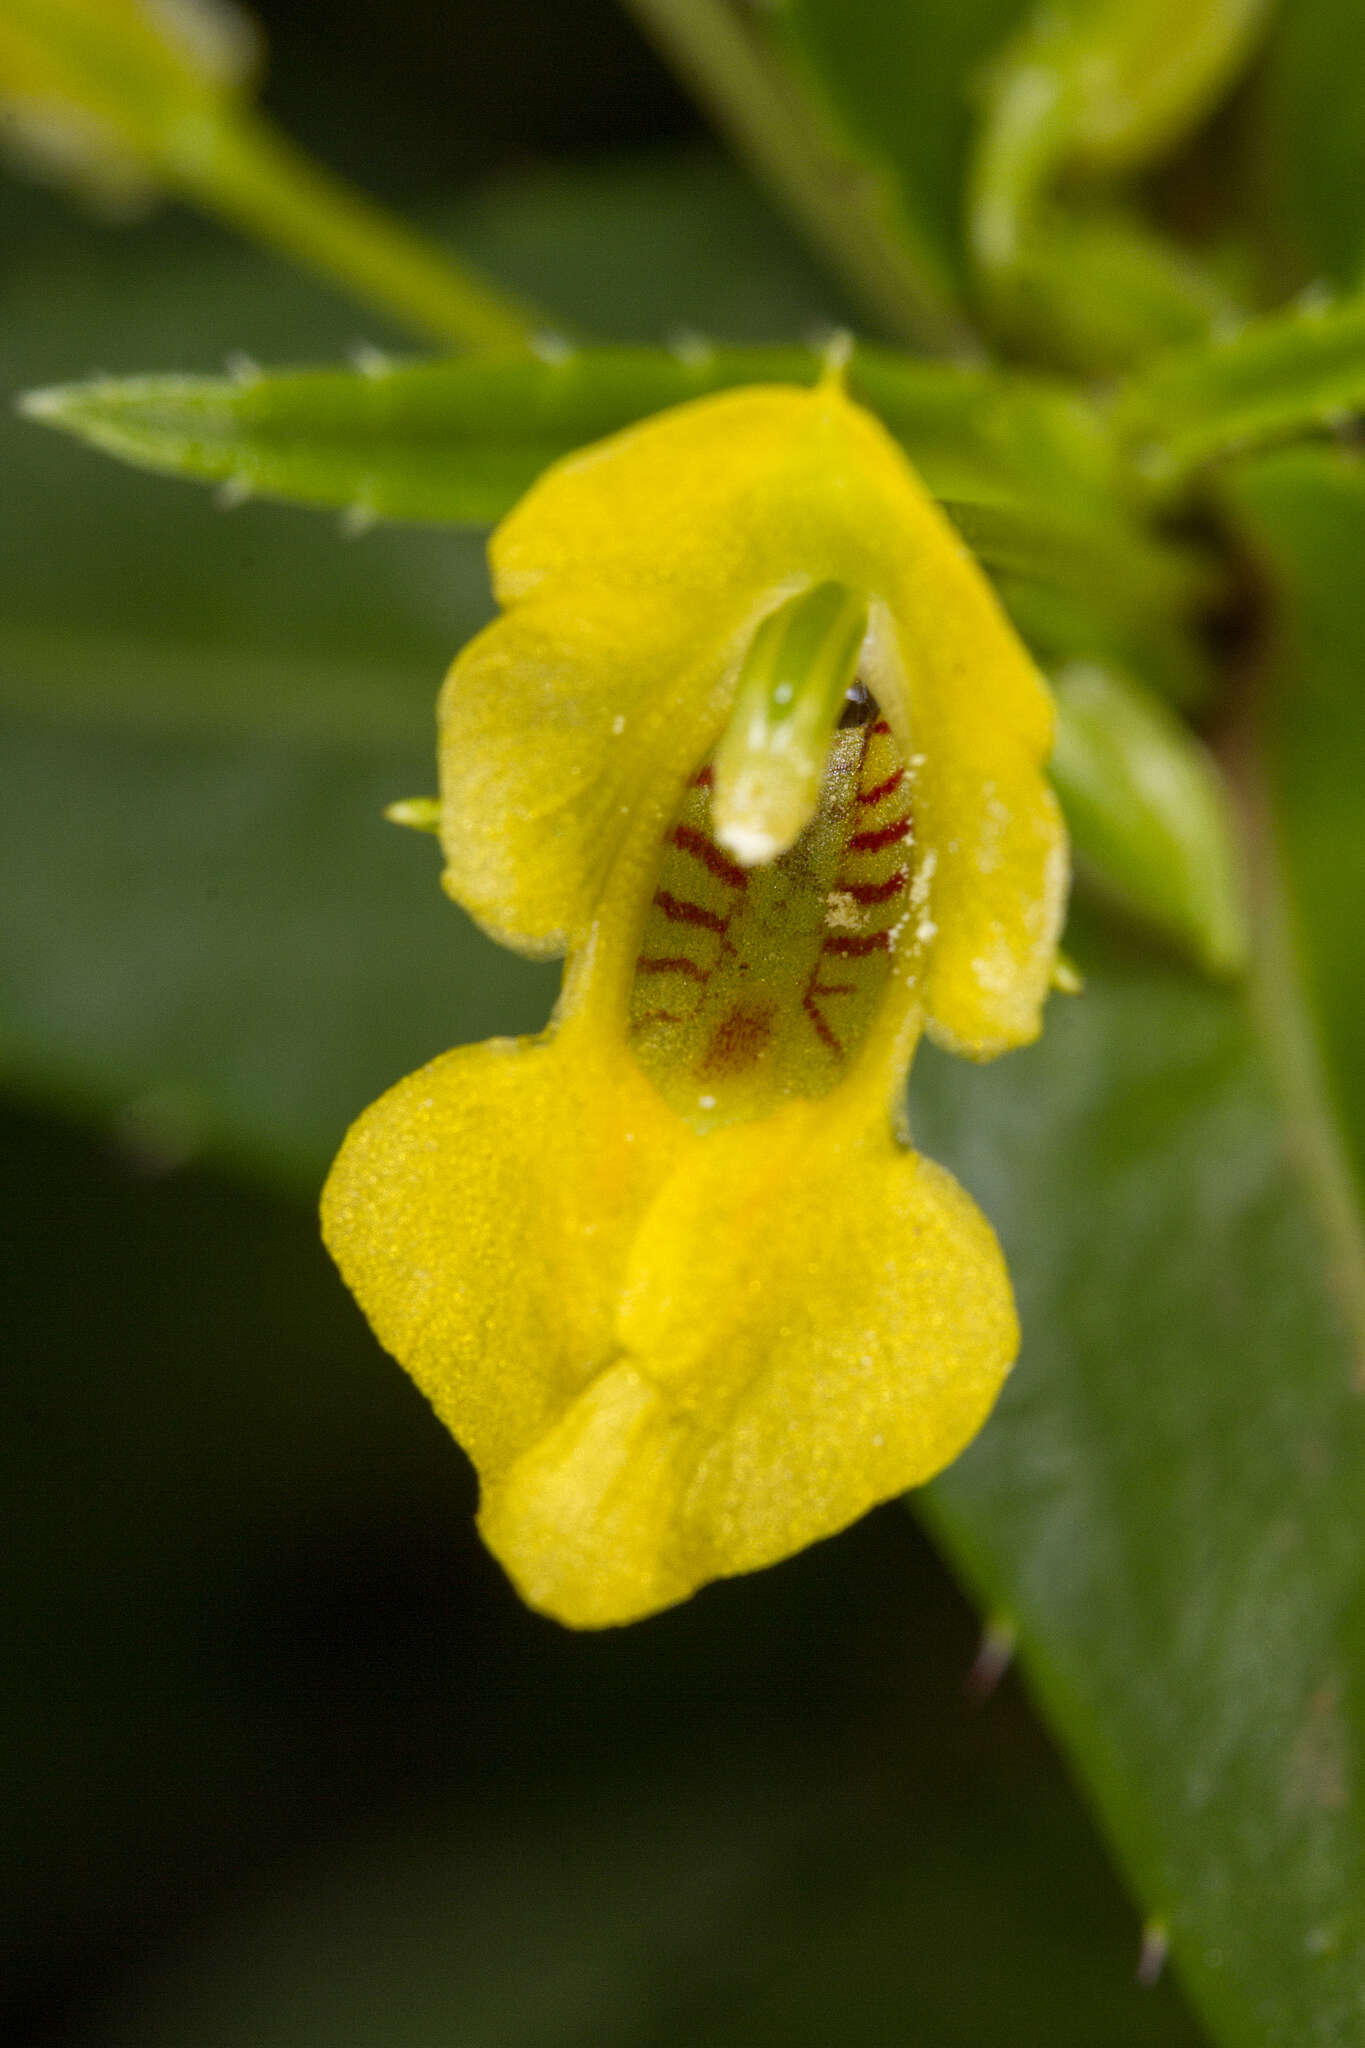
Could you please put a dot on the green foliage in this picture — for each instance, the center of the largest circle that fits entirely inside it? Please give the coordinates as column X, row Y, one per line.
column 460, row 441
column 1303, row 514
column 1304, row 162
column 1168, row 1503
column 904, row 83
column 1167, row 848
column 1302, row 369
column 214, row 942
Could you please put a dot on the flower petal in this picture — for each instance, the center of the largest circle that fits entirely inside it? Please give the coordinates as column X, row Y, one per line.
column 811, row 1323
column 832, row 1310
column 482, row 1212
column 564, row 732
column 632, row 577
column 585, row 1522
column 998, row 871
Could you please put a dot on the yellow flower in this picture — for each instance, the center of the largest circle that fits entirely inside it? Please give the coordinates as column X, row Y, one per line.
column 670, row 1271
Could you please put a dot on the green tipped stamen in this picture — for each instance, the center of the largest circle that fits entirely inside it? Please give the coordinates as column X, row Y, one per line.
column 792, row 686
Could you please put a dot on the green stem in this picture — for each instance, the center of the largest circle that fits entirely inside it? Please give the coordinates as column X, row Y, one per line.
column 839, row 202
column 246, row 171
column 1292, row 1042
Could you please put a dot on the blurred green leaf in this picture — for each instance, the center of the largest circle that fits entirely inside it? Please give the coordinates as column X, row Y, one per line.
column 647, row 248
column 1304, row 166
column 732, row 60
column 1146, row 811
column 102, row 95
column 1100, row 90
column 1061, row 625
column 1291, row 373
column 902, row 81
column 1096, row 290
column 183, row 948
column 124, row 100
column 702, row 1909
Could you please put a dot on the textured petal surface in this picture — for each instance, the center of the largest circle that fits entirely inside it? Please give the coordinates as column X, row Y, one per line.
column 482, row 1213
column 835, row 1314
column 563, row 732
column 670, row 1358
column 992, row 835
column 810, row 1324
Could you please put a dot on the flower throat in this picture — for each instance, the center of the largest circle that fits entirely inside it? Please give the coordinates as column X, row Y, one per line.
column 757, row 983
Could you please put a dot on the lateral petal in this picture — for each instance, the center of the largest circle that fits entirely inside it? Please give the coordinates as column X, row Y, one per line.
column 482, row 1213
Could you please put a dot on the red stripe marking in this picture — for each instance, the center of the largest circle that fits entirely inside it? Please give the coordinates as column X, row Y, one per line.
column 875, row 892
column 884, row 835
column 679, row 911
column 672, row 964
column 874, row 796
column 709, row 854
column 703, row 778
column 880, row 726
column 822, row 1030
column 833, row 988
column 857, row 945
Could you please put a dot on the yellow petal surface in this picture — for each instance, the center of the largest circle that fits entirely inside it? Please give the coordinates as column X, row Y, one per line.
column 809, row 1326
column 667, row 1273
column 482, row 1211
column 671, row 1358
column 834, row 1315
column 633, row 575
column 994, row 873
column 565, row 733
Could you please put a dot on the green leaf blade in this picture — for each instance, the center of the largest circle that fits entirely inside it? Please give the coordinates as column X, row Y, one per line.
column 459, row 440
column 1168, row 1501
